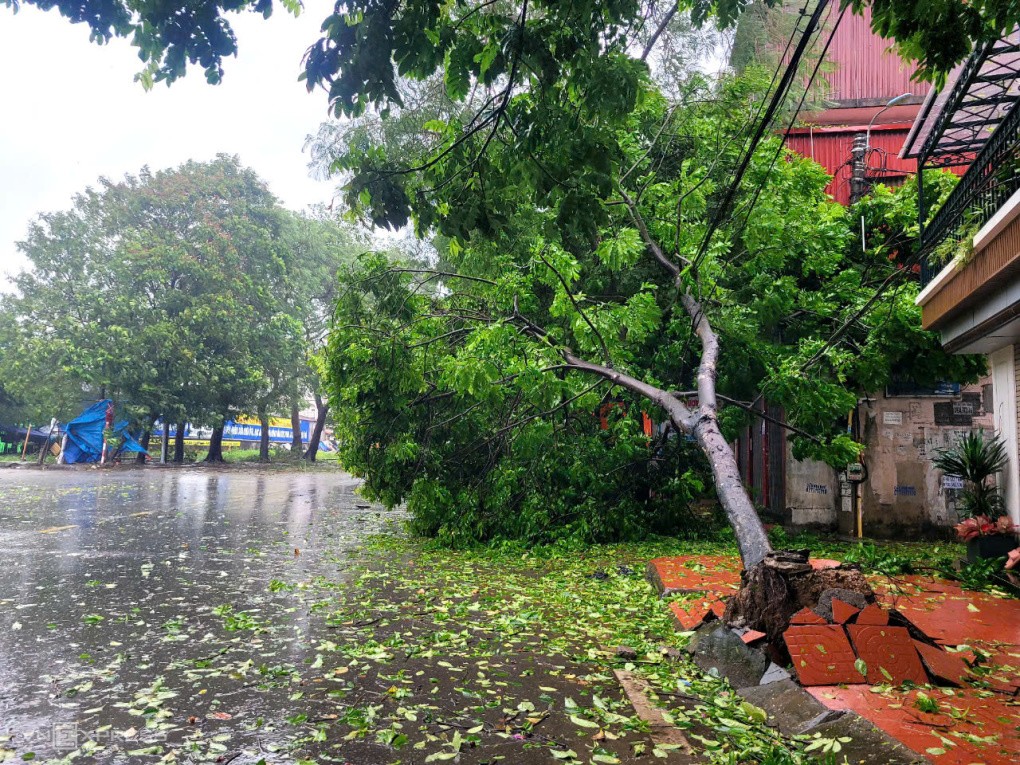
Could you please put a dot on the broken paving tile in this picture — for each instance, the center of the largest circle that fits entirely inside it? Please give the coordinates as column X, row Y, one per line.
column 887, row 648
column 807, row 616
column 694, row 573
column 690, row 616
column 843, row 612
column 942, row 664
column 821, row 655
column 873, row 615
column 752, row 636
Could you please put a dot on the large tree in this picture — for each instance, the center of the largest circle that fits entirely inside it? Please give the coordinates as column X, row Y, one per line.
column 471, row 388
column 164, row 291
column 559, row 81
column 321, row 247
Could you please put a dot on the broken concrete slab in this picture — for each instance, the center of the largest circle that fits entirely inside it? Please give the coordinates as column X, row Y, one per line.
column 774, row 674
column 867, row 745
column 790, row 708
column 719, row 648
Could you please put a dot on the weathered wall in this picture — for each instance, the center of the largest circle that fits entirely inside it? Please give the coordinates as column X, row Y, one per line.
column 812, row 493
column 904, row 495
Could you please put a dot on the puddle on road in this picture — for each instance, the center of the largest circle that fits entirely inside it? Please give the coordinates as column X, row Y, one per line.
column 151, row 610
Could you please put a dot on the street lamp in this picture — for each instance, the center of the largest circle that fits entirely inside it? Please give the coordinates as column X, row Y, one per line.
column 859, row 162
column 899, row 99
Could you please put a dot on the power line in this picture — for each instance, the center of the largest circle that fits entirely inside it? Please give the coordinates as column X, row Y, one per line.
column 778, row 96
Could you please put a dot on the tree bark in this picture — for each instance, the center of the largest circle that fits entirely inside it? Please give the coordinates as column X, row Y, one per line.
column 321, row 410
column 179, row 443
column 215, row 445
column 264, row 437
column 146, row 438
column 295, row 431
column 702, row 422
column 752, row 540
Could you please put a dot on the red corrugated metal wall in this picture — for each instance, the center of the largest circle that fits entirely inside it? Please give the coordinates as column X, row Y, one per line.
column 863, row 65
column 831, row 149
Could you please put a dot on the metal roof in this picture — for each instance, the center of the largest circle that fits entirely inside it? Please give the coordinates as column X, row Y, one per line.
column 955, row 124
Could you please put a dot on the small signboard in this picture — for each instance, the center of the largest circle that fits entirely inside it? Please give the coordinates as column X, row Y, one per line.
column 892, row 418
column 952, row 482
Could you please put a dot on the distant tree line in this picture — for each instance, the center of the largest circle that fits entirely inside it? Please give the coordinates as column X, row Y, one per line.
column 187, row 295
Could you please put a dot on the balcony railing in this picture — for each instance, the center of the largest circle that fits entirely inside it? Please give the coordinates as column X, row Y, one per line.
column 993, row 177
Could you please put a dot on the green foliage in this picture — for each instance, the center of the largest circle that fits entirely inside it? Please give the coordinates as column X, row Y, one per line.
column 981, row 574
column 168, row 36
column 450, row 379
column 976, row 458
column 183, row 293
column 367, row 43
column 881, row 560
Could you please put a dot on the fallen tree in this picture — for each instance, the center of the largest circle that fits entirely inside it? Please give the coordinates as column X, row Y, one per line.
column 598, row 245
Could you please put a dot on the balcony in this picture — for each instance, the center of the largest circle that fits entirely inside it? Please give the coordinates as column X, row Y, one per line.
column 970, row 247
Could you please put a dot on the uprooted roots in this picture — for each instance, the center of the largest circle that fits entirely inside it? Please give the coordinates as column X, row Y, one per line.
column 783, row 584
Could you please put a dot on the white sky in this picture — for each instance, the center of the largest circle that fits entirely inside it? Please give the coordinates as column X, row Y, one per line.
column 71, row 112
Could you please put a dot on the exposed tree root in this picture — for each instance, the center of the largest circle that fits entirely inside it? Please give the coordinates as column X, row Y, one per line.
column 783, row 584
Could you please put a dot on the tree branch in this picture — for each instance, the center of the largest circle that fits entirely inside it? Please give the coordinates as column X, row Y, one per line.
column 605, row 348
column 658, row 32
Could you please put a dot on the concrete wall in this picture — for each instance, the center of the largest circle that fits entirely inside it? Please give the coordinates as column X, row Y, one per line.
column 904, row 496
column 812, row 493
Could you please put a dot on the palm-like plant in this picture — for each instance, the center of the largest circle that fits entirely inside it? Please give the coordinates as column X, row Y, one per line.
column 976, row 459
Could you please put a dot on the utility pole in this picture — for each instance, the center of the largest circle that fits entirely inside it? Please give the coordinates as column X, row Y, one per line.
column 858, row 168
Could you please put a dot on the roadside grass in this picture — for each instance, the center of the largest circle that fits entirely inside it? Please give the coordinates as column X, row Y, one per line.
column 519, row 645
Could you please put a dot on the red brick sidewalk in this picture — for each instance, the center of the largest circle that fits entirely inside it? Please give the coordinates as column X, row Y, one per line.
column 978, row 723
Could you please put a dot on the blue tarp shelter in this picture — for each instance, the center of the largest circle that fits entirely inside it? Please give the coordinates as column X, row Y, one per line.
column 85, row 435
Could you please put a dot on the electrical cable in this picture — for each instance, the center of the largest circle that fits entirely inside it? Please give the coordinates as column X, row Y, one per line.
column 775, row 102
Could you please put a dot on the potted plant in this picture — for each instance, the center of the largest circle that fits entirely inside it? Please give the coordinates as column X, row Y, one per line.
column 985, row 528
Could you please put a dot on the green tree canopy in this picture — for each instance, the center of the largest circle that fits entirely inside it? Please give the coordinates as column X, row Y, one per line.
column 166, row 290
column 475, row 388
column 407, row 36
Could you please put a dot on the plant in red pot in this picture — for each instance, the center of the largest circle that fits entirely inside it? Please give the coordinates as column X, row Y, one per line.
column 987, row 530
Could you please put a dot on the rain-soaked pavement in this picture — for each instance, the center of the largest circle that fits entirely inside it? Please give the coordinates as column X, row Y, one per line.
column 258, row 617
column 126, row 593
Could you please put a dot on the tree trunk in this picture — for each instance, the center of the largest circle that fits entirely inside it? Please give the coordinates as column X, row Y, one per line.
column 264, row 437
column 321, row 409
column 752, row 540
column 295, row 431
column 146, row 437
column 215, row 454
column 702, row 422
column 179, row 443
column 747, row 526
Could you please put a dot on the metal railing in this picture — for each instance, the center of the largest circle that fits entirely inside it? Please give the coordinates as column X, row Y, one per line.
column 993, row 177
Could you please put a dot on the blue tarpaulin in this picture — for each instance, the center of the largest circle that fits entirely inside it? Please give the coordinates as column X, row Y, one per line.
column 85, row 435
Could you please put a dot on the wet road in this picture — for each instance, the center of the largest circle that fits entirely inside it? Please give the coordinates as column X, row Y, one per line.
column 152, row 615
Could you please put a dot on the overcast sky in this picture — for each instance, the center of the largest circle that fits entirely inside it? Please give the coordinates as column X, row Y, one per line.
column 71, row 113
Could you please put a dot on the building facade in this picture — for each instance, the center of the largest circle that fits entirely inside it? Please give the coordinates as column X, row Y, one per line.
column 970, row 244
column 865, row 114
